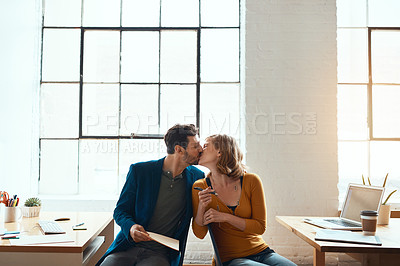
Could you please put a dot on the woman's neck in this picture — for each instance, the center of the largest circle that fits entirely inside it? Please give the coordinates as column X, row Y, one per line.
column 221, row 180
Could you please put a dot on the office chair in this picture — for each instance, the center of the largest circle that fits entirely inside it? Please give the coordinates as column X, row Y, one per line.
column 216, row 254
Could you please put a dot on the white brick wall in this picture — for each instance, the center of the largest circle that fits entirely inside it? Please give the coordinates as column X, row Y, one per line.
column 291, row 73
column 291, row 127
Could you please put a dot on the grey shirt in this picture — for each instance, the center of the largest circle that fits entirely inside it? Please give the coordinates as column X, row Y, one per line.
column 168, row 211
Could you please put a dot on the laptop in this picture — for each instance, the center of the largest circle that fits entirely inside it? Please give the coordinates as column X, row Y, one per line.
column 358, row 198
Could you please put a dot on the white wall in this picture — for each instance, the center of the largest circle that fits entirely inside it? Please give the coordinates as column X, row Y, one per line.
column 291, row 126
column 291, row 90
column 19, row 52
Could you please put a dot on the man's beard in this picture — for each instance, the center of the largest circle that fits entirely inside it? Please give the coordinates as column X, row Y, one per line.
column 190, row 160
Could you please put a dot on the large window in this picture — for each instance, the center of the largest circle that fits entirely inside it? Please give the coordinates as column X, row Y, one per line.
column 369, row 92
column 117, row 74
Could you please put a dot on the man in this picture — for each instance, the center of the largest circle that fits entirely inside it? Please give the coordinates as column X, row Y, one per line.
column 156, row 197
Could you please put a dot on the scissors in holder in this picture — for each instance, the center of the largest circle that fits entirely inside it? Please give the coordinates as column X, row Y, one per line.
column 4, row 197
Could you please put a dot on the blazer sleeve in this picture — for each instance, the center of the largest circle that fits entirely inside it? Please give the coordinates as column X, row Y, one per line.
column 199, row 231
column 123, row 213
column 258, row 222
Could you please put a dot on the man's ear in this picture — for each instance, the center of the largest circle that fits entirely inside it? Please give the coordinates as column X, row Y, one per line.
column 178, row 149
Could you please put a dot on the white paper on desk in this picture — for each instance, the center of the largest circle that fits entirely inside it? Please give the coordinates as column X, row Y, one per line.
column 165, row 240
column 43, row 239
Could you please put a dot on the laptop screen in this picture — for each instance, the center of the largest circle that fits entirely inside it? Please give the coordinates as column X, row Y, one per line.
column 360, row 198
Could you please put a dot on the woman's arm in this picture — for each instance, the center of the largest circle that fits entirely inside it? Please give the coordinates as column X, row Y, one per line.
column 214, row 216
column 200, row 201
column 204, row 197
column 257, row 224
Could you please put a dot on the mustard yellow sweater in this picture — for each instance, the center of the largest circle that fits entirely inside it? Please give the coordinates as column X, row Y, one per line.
column 232, row 242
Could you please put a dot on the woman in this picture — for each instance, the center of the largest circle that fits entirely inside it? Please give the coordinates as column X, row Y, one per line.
column 232, row 201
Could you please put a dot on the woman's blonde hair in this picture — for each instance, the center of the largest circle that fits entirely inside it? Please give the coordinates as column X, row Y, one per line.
column 230, row 161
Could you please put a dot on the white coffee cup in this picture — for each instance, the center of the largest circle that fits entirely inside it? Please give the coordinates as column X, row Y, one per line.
column 10, row 214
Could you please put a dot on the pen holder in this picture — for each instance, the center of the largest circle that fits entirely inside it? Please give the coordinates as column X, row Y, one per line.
column 11, row 214
column 31, row 211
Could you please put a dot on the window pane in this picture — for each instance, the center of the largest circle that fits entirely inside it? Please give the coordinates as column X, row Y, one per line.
column 62, row 13
column 61, row 52
column 220, row 13
column 220, row 55
column 352, row 163
column 352, row 112
column 58, row 167
column 140, row 56
column 383, row 13
column 385, row 56
column 386, row 111
column 138, row 150
column 178, row 56
column 59, row 110
column 351, row 13
column 385, row 159
column 178, row 13
column 101, row 56
column 100, row 114
column 139, row 13
column 101, row 13
column 219, row 109
column 139, row 109
column 352, row 55
column 178, row 105
column 98, row 167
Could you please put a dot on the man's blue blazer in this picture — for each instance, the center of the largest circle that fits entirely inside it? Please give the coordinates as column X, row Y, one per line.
column 137, row 202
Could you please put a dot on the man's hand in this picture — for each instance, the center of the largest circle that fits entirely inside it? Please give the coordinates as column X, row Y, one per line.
column 138, row 233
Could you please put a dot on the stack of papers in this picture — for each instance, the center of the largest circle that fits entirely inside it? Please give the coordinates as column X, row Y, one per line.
column 347, row 237
column 41, row 239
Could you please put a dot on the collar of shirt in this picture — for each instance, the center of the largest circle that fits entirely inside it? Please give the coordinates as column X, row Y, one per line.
column 169, row 175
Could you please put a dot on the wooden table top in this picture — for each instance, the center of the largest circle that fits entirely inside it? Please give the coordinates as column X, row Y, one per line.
column 95, row 222
column 388, row 234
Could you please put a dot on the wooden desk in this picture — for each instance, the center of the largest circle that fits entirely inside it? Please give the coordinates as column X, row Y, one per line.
column 387, row 254
column 88, row 246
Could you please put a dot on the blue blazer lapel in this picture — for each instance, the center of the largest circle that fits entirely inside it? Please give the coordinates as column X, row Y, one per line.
column 155, row 184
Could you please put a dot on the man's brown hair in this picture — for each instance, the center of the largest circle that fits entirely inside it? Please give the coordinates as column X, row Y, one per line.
column 178, row 135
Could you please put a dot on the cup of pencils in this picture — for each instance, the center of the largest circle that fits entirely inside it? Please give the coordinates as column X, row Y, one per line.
column 11, row 211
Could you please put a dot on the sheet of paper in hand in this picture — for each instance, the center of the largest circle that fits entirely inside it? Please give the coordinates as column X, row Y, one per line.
column 165, row 240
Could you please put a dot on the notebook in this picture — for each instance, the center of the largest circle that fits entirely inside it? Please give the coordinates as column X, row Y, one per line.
column 347, row 237
column 358, row 198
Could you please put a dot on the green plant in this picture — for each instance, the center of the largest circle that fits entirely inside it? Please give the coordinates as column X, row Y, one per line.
column 33, row 202
column 384, row 184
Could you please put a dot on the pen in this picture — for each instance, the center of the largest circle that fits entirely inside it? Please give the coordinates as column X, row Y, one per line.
column 79, row 224
column 212, row 192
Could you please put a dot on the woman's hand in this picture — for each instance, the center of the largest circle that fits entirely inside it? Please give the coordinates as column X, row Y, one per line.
column 205, row 198
column 214, row 216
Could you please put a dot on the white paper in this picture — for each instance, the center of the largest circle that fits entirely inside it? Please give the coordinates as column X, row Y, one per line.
column 165, row 240
column 43, row 239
